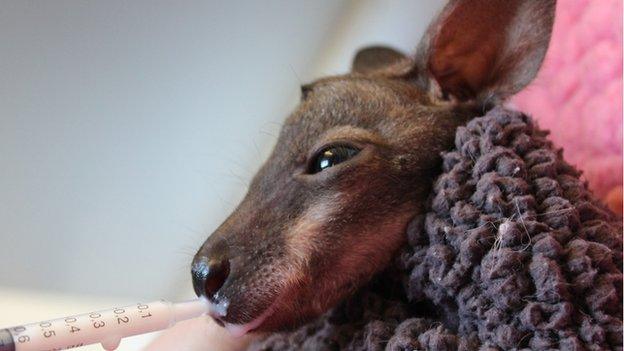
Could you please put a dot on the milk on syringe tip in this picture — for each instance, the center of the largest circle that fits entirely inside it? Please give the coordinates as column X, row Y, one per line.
column 107, row 327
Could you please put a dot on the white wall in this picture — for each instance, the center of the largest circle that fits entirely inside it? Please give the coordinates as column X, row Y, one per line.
column 129, row 129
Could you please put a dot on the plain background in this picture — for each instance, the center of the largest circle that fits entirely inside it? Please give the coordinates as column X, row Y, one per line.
column 130, row 129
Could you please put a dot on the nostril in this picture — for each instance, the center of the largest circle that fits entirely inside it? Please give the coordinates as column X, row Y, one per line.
column 209, row 276
column 217, row 274
column 199, row 271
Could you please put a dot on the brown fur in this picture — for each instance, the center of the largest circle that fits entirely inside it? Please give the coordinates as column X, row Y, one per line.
column 301, row 242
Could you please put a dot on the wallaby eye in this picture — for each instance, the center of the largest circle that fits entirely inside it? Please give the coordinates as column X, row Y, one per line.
column 331, row 156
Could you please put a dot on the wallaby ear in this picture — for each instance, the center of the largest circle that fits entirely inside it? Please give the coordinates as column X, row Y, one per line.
column 485, row 50
column 374, row 59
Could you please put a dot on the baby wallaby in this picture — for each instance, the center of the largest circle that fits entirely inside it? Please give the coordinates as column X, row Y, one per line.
column 355, row 162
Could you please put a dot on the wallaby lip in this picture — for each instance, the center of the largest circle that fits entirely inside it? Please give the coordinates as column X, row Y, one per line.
column 218, row 310
column 238, row 330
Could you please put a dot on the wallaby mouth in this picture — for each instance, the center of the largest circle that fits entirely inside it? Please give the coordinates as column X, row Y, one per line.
column 238, row 330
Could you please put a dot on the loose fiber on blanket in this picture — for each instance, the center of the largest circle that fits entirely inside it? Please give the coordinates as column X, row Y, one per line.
column 514, row 253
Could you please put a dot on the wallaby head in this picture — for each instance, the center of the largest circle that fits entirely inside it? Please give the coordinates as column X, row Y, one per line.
column 355, row 162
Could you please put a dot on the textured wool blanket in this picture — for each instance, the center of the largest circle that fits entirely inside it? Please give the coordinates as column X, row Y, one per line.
column 514, row 253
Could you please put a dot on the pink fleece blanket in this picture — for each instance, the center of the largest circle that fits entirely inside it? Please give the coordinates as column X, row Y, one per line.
column 578, row 93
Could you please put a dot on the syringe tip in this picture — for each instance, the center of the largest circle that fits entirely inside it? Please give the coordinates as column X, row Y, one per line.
column 190, row 309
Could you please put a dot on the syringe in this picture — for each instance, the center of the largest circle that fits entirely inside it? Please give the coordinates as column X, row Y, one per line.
column 106, row 327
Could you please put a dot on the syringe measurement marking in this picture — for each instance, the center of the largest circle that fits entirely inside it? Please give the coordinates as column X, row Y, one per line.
column 94, row 319
column 22, row 339
column 122, row 319
column 47, row 333
column 142, row 308
column 72, row 328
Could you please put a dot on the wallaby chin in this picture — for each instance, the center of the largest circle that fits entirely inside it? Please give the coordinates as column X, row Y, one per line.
column 355, row 162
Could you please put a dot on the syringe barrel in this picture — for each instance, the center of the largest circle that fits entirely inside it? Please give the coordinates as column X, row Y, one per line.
column 89, row 328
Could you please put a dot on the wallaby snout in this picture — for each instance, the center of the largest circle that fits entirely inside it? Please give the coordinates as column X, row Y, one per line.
column 355, row 162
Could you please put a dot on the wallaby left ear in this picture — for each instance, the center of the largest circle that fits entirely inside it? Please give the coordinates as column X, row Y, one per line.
column 485, row 50
column 374, row 59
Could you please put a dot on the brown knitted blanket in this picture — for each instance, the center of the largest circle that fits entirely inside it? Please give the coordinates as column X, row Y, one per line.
column 514, row 254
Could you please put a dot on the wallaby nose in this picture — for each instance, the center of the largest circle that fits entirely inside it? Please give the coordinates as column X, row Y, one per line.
column 209, row 275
